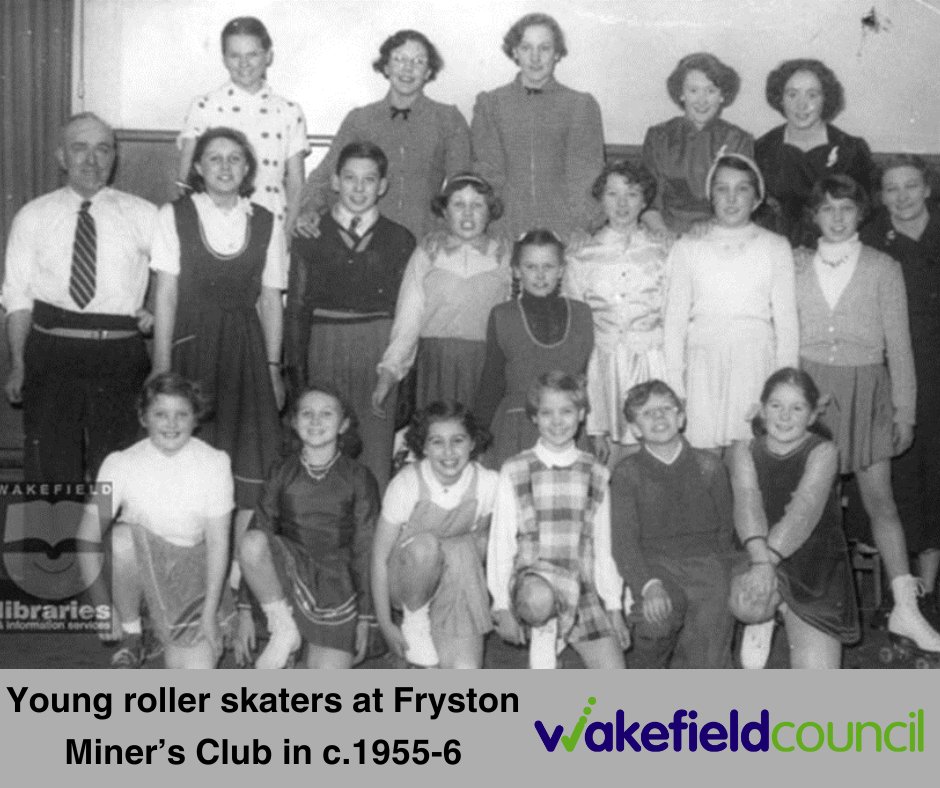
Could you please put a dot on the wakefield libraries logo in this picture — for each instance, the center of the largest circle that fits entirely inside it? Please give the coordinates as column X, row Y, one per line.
column 41, row 581
column 685, row 731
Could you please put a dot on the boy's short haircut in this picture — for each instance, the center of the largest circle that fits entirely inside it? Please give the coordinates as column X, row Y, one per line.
column 247, row 26
column 572, row 385
column 640, row 394
column 363, row 150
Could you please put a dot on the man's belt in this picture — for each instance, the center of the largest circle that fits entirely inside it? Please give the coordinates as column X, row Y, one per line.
column 87, row 333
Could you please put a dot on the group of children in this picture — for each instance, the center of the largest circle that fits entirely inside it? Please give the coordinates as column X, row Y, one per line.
column 620, row 375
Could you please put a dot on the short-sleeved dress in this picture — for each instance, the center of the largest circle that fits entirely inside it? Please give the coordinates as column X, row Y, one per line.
column 274, row 126
column 623, row 280
column 460, row 607
column 815, row 581
column 166, row 500
column 679, row 155
column 522, row 357
column 218, row 341
column 320, row 530
column 789, row 174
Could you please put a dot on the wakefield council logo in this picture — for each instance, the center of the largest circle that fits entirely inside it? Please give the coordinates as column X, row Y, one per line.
column 687, row 731
column 43, row 537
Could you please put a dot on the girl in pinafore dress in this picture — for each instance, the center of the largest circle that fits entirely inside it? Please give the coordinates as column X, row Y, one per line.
column 730, row 312
column 621, row 274
column 787, row 516
column 446, row 296
column 306, row 555
column 526, row 337
column 853, row 319
column 221, row 266
column 549, row 565
column 427, row 559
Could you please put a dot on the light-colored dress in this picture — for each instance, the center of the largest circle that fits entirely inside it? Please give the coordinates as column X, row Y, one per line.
column 623, row 279
column 730, row 321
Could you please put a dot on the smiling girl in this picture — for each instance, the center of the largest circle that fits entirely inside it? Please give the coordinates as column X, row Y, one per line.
column 549, row 562
column 856, row 344
column 621, row 274
column 172, row 503
column 730, row 312
column 445, row 299
column 427, row 560
column 527, row 337
column 306, row 555
column 680, row 151
column 787, row 516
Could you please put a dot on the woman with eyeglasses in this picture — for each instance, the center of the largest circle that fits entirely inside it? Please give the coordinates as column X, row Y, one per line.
column 424, row 140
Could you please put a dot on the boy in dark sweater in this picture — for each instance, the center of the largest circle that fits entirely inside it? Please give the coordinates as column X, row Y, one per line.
column 671, row 527
column 341, row 299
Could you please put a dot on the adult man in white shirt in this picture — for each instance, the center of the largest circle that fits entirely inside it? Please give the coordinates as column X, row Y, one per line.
column 74, row 287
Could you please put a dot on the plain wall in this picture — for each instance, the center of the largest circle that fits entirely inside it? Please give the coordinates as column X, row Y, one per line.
column 144, row 60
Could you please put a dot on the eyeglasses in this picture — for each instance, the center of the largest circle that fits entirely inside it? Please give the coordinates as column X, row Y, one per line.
column 401, row 61
column 656, row 413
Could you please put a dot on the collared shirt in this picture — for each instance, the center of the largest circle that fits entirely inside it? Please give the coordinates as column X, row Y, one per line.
column 503, row 545
column 224, row 232
column 39, row 251
column 344, row 218
column 274, row 126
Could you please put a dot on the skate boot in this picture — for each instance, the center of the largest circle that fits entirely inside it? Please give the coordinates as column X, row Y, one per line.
column 420, row 650
column 285, row 637
column 755, row 645
column 542, row 643
column 912, row 638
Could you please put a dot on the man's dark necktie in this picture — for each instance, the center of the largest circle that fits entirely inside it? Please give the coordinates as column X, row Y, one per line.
column 84, row 254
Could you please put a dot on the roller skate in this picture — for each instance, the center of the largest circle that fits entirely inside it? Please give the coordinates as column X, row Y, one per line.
column 912, row 640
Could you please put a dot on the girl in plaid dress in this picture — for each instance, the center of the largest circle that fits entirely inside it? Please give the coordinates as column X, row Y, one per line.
column 549, row 564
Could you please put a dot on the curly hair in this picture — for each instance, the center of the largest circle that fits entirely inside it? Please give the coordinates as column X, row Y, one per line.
column 833, row 94
column 460, row 181
column 724, row 77
column 633, row 174
column 912, row 160
column 198, row 184
column 446, row 410
column 839, row 187
column 514, row 35
column 402, row 37
column 172, row 384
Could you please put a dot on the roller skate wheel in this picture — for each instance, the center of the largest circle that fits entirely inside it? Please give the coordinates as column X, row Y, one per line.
column 922, row 663
column 886, row 654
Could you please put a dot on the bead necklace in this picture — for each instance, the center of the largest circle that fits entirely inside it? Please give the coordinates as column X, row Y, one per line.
column 318, row 472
